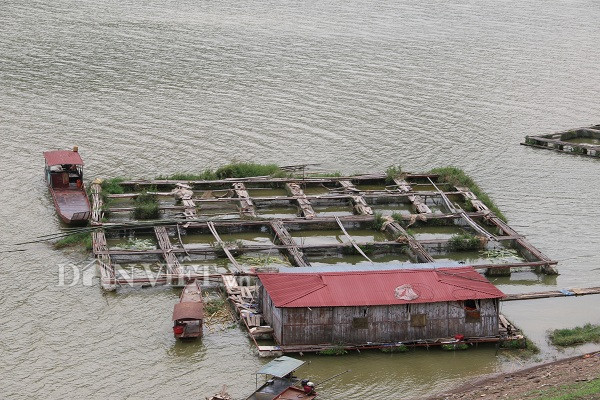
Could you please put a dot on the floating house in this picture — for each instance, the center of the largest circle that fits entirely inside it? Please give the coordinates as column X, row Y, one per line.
column 361, row 308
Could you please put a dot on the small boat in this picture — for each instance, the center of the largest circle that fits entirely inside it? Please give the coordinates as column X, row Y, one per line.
column 188, row 313
column 64, row 176
column 281, row 383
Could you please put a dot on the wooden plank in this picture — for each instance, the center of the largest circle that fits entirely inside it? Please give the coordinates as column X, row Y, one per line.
column 352, row 240
column 419, row 204
column 298, row 194
column 247, row 208
column 284, row 237
column 97, row 203
column 552, row 293
column 213, row 230
column 348, row 186
column 173, row 266
column 107, row 270
column 403, row 185
column 398, row 231
column 361, row 206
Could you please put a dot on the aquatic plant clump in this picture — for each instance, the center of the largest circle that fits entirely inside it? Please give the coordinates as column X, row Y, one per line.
column 146, row 207
column 214, row 305
column 465, row 242
column 588, row 333
column 457, row 177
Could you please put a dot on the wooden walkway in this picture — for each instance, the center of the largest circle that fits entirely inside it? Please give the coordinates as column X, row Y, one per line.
column 283, row 236
column 552, row 293
column 174, row 268
column 108, row 279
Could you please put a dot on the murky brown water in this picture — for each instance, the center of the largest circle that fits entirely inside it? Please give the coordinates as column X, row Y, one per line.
column 148, row 88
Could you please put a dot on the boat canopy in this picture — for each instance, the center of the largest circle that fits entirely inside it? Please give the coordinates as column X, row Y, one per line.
column 281, row 366
column 62, row 157
column 188, row 310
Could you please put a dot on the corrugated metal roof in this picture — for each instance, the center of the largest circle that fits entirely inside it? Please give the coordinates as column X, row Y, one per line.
column 59, row 157
column 281, row 366
column 188, row 310
column 370, row 288
column 383, row 266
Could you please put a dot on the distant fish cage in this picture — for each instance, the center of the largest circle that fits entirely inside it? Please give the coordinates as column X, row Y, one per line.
column 579, row 141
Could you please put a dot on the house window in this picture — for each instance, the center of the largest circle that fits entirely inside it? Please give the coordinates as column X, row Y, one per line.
column 418, row 320
column 360, row 323
column 472, row 311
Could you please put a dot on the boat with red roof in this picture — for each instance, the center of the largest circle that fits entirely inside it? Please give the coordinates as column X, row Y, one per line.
column 64, row 176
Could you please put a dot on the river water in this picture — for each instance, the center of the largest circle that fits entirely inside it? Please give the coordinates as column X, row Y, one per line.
column 155, row 87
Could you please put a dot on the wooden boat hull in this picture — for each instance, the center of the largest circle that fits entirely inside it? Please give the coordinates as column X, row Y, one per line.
column 294, row 393
column 72, row 205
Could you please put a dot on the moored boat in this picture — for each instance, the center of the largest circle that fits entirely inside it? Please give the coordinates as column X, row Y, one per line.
column 188, row 313
column 281, row 382
column 64, row 176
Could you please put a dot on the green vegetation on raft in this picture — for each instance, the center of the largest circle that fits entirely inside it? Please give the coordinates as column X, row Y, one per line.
column 588, row 333
column 232, row 170
column 378, row 221
column 112, row 186
column 393, row 171
column 455, row 346
column 333, row 174
column 457, row 177
column 465, row 242
column 75, row 239
column 146, row 206
column 333, row 351
column 401, row 348
column 207, row 175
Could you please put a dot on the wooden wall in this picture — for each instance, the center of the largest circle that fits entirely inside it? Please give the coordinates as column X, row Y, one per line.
column 384, row 324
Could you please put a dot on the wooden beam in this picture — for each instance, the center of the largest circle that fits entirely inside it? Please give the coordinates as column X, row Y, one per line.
column 107, row 270
column 247, row 208
column 223, row 245
column 173, row 265
column 352, row 241
column 298, row 194
column 398, row 231
column 284, row 237
column 552, row 293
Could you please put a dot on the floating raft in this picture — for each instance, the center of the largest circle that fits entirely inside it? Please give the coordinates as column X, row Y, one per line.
column 579, row 141
column 220, row 209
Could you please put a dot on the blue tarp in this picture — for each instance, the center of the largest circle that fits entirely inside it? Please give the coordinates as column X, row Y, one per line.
column 281, row 366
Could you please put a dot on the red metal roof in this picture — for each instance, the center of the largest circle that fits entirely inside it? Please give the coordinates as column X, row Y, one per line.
column 59, row 157
column 370, row 288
